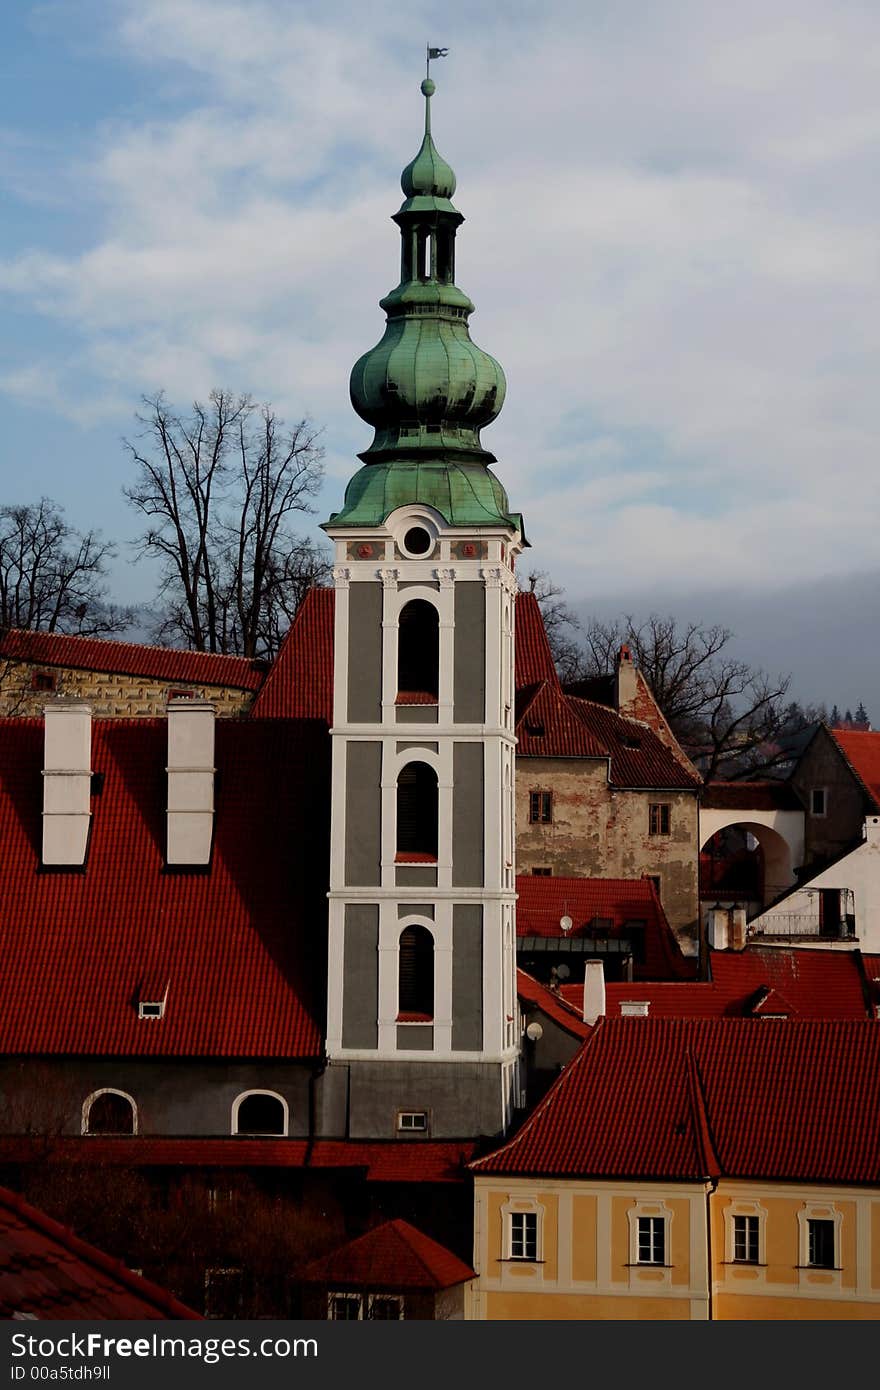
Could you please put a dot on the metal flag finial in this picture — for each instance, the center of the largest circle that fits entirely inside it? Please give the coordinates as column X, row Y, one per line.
column 434, row 53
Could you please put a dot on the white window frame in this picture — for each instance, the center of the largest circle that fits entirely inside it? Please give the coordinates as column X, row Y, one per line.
column 105, row 1091
column 413, row 1129
column 758, row 1213
column 522, row 1207
column 818, row 1211
column 358, row 1298
column 263, row 1134
column 639, row 1211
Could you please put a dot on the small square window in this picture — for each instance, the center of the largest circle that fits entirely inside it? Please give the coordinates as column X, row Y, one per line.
column 542, row 872
column 820, row 1243
column 818, row 801
column 658, row 818
column 651, row 1240
column 412, row 1121
column 151, row 1008
column 43, row 680
column 524, row 1235
column 540, row 808
column 745, row 1239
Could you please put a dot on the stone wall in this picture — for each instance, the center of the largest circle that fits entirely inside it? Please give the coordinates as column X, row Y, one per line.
column 25, row 688
column 599, row 832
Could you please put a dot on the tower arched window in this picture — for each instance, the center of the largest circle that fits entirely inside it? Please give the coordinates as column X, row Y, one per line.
column 416, row 813
column 415, row 983
column 418, row 653
column 259, row 1113
column 109, row 1112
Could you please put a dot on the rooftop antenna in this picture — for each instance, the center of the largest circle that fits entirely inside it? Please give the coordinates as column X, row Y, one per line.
column 565, row 921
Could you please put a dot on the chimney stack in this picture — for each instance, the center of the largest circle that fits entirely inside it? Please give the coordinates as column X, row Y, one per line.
column 594, row 991
column 190, row 781
column 718, row 934
column 738, row 928
column 625, row 681
column 67, row 782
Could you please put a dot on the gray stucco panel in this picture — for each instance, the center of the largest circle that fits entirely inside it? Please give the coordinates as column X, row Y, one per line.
column 360, row 987
column 365, row 653
column 363, row 814
column 469, row 681
column 467, row 815
column 467, row 977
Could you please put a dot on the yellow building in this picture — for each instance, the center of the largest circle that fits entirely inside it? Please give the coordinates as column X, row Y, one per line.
column 691, row 1169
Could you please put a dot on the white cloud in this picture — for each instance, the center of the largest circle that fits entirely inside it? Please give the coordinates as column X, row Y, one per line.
column 671, row 240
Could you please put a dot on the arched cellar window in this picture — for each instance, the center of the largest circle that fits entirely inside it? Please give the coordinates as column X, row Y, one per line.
column 109, row 1112
column 418, row 654
column 259, row 1113
column 415, row 985
column 416, row 813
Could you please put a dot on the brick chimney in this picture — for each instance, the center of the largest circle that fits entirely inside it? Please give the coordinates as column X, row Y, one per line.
column 594, row 991
column 625, row 681
column 190, row 781
column 67, row 781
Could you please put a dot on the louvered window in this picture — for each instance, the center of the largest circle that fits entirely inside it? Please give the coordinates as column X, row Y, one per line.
column 416, row 974
column 417, row 812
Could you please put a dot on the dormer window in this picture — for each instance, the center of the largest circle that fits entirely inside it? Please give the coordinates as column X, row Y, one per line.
column 151, row 1008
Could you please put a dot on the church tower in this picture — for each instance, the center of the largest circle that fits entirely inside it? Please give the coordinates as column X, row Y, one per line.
column 422, row 1034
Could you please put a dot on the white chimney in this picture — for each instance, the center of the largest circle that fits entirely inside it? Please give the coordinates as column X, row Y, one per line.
column 190, row 781
column 67, row 781
column 594, row 991
column 718, row 937
column 625, row 680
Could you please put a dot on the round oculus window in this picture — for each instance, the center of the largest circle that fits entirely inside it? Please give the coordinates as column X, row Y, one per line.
column 417, row 541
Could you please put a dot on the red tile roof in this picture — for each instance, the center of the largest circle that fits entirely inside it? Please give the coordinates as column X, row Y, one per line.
column 49, row 1273
column 236, row 942
column 300, row 683
column 394, row 1257
column 542, row 901
column 552, row 1003
column 533, row 660
column 680, row 1100
column 547, row 727
column 816, row 984
column 749, row 796
column 131, row 659
column 393, row 1160
column 861, row 749
column 757, row 982
column 639, row 758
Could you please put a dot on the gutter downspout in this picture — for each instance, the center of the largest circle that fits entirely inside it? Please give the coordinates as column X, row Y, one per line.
column 710, row 1190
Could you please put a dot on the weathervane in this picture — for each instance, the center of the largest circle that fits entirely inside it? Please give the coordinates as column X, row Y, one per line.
column 433, row 53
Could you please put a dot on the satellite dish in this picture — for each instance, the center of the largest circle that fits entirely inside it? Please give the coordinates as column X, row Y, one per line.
column 534, row 1032
column 562, row 971
column 566, row 923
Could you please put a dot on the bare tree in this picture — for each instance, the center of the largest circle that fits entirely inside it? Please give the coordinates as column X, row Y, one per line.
column 732, row 718
column 53, row 577
column 219, row 488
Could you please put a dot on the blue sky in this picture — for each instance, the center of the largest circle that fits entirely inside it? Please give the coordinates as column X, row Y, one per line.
column 671, row 240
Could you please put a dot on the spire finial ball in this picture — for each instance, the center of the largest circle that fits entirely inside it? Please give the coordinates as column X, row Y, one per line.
column 428, row 88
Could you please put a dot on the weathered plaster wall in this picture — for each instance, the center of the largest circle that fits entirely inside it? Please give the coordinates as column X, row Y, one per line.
column 602, row 833
column 822, row 766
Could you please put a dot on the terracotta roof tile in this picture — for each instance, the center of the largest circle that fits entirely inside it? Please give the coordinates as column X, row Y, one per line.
column 639, row 758
column 131, row 659
column 861, row 749
column 533, row 659
column 547, row 727
column 782, row 1101
column 300, row 683
column 554, row 1004
column 392, row 1161
column 542, row 901
column 234, row 942
column 394, row 1257
column 49, row 1273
